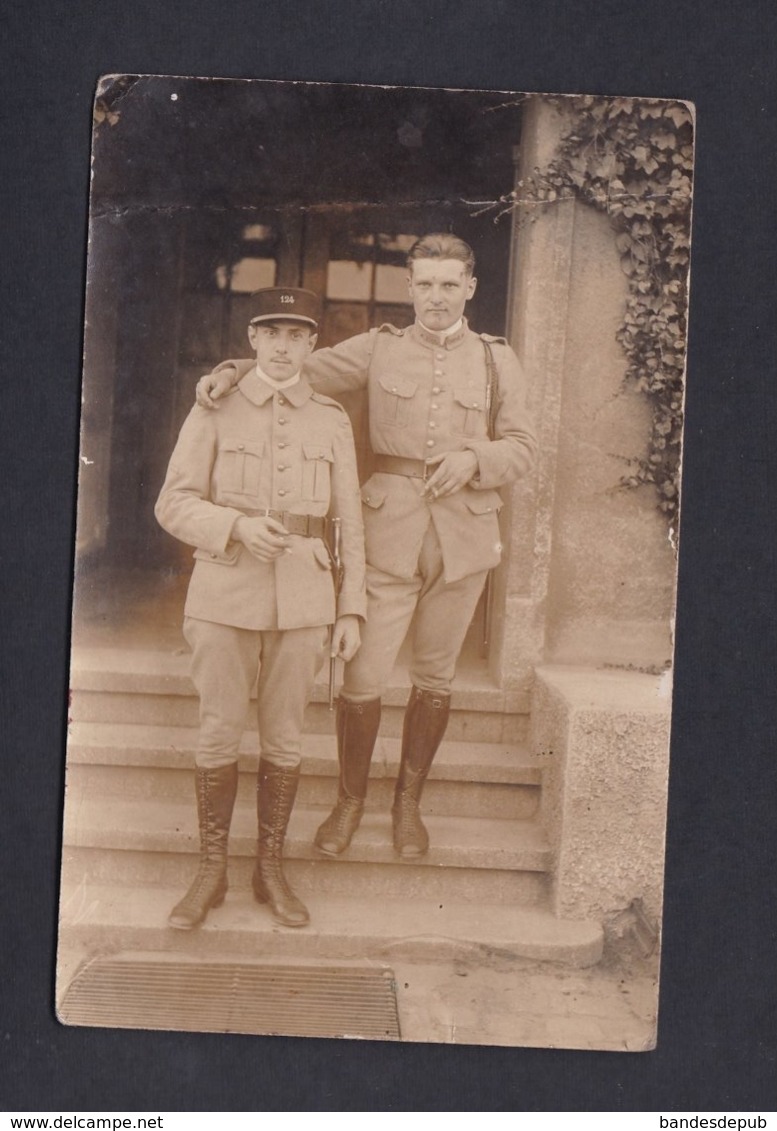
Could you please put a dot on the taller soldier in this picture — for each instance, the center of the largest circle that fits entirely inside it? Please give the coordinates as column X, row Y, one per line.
column 449, row 427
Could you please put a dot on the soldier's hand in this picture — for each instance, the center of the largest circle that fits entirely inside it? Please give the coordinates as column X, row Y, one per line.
column 265, row 538
column 454, row 470
column 346, row 638
column 215, row 385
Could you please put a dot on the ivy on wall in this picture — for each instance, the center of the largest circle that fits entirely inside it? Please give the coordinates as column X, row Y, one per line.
column 633, row 160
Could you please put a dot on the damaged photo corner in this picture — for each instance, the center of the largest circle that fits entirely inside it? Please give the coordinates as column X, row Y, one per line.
column 376, row 558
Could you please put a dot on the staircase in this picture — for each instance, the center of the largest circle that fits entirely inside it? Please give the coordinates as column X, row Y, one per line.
column 131, row 843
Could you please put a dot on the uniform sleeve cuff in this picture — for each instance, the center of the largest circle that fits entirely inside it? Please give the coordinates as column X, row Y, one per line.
column 352, row 605
column 478, row 449
column 224, row 529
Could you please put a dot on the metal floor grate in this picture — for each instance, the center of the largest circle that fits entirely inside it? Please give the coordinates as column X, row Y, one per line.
column 218, row 997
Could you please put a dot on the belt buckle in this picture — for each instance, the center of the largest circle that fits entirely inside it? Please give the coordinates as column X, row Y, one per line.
column 428, row 471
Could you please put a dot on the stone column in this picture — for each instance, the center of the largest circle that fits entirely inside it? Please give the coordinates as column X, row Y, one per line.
column 539, row 298
column 589, row 572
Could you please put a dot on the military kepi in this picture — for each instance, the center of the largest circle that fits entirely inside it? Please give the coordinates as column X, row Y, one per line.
column 293, row 303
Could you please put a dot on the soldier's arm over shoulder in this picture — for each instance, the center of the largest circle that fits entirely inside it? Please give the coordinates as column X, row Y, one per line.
column 346, row 366
column 221, row 380
column 512, row 450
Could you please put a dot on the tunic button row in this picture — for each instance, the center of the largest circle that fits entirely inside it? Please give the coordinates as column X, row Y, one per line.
column 281, row 400
column 282, row 444
column 241, row 447
column 440, row 356
column 435, row 406
column 430, row 443
column 432, row 425
column 281, row 419
column 281, row 492
column 283, row 467
column 436, row 390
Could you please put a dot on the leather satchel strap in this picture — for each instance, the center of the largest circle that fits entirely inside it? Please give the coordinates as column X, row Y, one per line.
column 492, row 388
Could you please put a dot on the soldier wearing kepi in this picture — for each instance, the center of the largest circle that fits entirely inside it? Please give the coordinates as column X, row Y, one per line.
column 250, row 487
column 448, row 426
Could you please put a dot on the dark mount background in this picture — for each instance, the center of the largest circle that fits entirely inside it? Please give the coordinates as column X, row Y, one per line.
column 718, row 1032
column 230, row 144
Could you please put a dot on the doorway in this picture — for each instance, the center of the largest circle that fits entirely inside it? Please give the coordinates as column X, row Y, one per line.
column 170, row 285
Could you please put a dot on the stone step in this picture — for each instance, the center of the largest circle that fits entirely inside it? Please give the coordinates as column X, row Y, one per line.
column 442, row 798
column 347, row 875
column 136, row 761
column 105, row 918
column 466, row 724
column 158, row 672
column 153, row 687
column 166, row 826
column 156, row 842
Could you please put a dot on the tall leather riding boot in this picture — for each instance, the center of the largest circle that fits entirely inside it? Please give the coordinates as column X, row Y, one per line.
column 357, row 729
column 426, row 718
column 216, row 790
column 276, row 789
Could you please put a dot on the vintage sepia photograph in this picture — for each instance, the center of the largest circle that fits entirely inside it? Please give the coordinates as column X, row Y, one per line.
column 375, row 564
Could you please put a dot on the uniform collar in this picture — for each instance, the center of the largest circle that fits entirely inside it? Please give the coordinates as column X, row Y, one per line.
column 438, row 341
column 449, row 333
column 258, row 392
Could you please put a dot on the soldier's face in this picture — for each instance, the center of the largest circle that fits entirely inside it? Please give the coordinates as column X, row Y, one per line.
column 281, row 347
column 439, row 289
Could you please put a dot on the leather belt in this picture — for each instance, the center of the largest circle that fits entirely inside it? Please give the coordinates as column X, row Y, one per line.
column 397, row 465
column 308, row 525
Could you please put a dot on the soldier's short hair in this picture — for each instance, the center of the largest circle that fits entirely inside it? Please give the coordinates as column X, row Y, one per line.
column 442, row 245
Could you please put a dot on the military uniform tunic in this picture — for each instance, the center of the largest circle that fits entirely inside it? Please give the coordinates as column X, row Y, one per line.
column 428, row 396
column 286, row 450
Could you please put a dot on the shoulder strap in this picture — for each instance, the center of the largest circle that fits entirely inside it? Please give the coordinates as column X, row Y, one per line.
column 322, row 398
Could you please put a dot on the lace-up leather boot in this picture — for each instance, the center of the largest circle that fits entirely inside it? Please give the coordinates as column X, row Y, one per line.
column 216, row 790
column 276, row 789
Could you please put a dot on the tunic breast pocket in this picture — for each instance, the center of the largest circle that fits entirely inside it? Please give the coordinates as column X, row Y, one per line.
column 317, row 460
column 394, row 399
column 468, row 413
column 239, row 466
